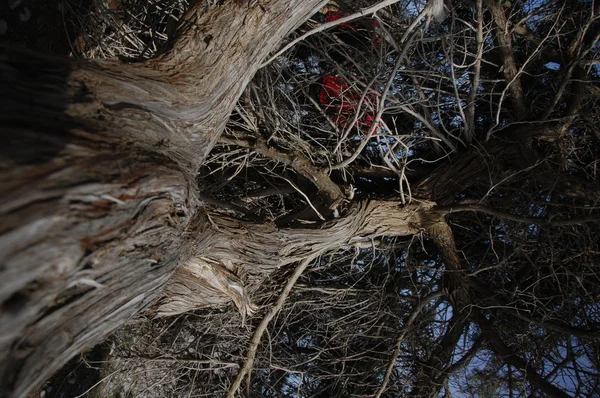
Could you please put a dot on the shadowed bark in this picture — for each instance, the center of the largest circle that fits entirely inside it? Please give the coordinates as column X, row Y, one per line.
column 252, row 251
column 96, row 179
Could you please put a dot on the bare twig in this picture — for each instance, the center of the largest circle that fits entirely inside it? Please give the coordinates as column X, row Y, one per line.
column 405, row 328
column 360, row 14
column 255, row 341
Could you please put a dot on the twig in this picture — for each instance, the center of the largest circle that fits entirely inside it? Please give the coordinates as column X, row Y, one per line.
column 305, row 197
column 297, row 161
column 375, row 122
column 515, row 217
column 264, row 323
column 400, row 339
column 470, row 131
column 365, row 11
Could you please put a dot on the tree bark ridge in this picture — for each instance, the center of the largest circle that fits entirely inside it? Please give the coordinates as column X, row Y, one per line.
column 98, row 190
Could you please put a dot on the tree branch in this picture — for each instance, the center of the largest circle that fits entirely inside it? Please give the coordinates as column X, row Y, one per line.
column 511, row 309
column 407, row 325
column 463, row 361
column 360, row 14
column 510, row 70
column 515, row 217
column 255, row 341
column 510, row 358
column 297, row 161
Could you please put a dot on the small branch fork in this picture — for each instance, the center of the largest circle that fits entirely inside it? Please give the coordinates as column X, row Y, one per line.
column 411, row 319
column 512, row 359
column 262, row 327
column 297, row 161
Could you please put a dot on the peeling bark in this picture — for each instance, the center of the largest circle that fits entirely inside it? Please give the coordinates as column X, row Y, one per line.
column 100, row 212
column 233, row 257
column 96, row 181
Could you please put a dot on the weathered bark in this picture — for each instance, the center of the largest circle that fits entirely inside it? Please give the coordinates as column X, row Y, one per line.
column 100, row 214
column 84, row 222
column 232, row 254
column 96, row 178
column 510, row 69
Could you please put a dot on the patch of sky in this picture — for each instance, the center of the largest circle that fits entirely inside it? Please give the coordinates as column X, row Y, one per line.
column 306, row 341
column 464, row 81
column 414, row 8
column 501, row 234
column 406, row 293
column 533, row 230
column 552, row 66
column 314, row 66
column 456, row 121
column 504, row 122
column 449, row 100
column 286, row 87
column 282, row 62
column 444, row 67
column 537, row 210
column 400, row 264
column 546, row 197
column 292, row 384
column 592, row 312
column 403, row 153
column 285, row 338
column 301, row 67
column 358, row 265
column 479, row 361
column 465, row 343
column 565, row 379
column 441, row 320
column 582, row 354
column 424, row 276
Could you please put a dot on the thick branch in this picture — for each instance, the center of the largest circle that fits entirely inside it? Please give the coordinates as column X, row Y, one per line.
column 441, row 234
column 507, row 307
column 512, row 359
column 321, row 28
column 510, row 69
column 97, row 189
column 462, row 362
column 542, row 221
column 297, row 161
column 233, row 257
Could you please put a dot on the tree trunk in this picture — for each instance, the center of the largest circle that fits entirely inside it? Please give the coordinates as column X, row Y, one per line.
column 97, row 177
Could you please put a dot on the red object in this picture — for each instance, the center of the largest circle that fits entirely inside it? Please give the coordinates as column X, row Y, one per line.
column 336, row 96
column 335, row 15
